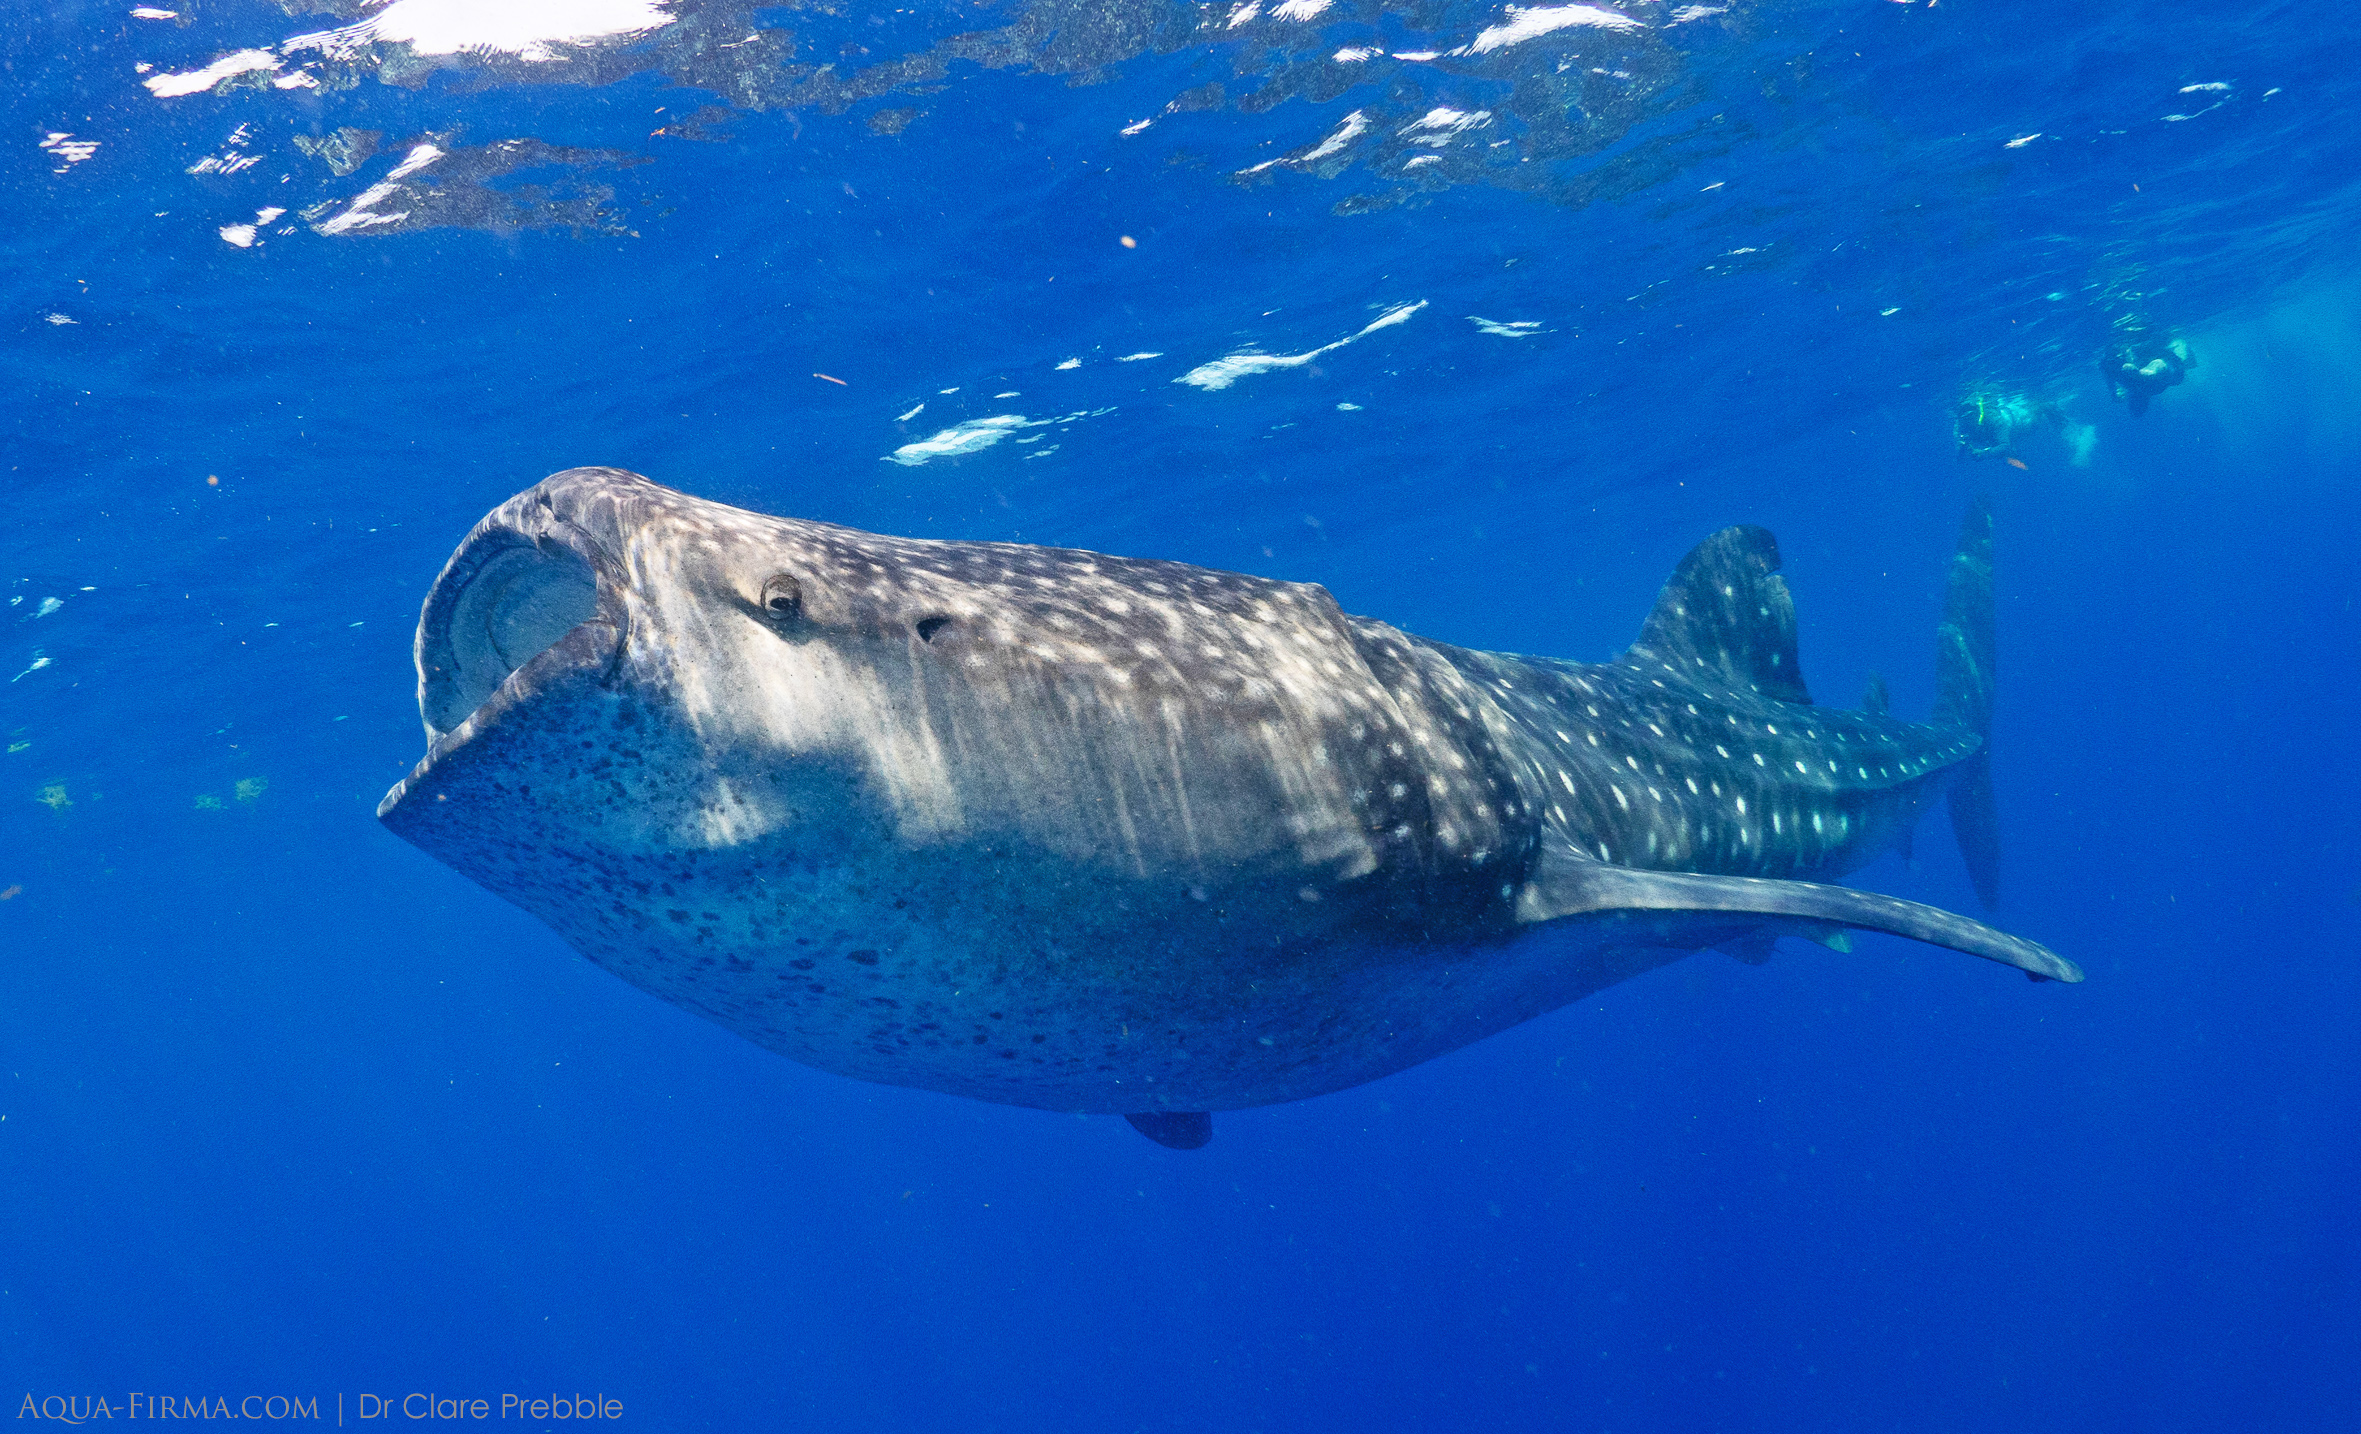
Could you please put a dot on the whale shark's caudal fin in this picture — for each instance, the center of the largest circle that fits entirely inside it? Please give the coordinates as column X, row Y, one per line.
column 1963, row 696
column 1725, row 619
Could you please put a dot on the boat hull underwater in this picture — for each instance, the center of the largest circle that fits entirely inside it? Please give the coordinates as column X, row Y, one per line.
column 1084, row 833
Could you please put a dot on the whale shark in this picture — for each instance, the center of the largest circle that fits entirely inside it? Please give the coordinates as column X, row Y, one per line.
column 1094, row 834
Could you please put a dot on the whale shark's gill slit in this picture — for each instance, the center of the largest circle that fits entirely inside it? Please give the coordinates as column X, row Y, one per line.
column 513, row 609
column 929, row 626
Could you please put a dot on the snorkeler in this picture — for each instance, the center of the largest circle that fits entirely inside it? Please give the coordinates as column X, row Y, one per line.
column 1985, row 428
column 1989, row 421
column 2138, row 372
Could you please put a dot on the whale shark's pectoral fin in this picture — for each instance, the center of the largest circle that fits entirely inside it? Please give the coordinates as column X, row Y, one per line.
column 1755, row 947
column 1686, row 909
column 1179, row 1129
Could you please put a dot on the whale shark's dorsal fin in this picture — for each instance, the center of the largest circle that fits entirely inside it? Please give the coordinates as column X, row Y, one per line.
column 1689, row 910
column 1725, row 618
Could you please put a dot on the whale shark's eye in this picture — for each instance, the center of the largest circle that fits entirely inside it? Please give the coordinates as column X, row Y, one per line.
column 929, row 626
column 782, row 599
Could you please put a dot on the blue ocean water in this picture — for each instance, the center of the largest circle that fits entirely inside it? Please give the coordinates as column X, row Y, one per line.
column 296, row 292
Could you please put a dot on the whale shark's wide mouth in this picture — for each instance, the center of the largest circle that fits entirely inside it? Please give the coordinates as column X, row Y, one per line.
column 503, row 601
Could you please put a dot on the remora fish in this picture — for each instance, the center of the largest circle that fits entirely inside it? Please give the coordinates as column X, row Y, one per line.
column 1087, row 833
